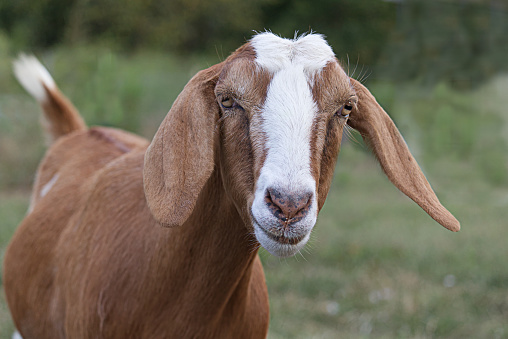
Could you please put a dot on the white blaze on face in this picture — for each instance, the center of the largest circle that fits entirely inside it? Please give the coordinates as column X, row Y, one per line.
column 287, row 119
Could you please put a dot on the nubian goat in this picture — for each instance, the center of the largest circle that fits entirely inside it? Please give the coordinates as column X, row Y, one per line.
column 131, row 239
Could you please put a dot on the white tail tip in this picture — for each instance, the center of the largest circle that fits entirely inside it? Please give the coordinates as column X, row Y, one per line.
column 32, row 75
column 16, row 335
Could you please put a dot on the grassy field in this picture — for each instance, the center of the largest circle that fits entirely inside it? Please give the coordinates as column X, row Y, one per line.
column 380, row 267
column 377, row 266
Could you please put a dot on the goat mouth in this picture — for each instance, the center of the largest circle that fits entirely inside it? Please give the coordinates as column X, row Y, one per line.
column 277, row 236
column 281, row 239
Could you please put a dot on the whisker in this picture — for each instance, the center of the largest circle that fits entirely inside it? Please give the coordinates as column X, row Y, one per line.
column 356, row 66
column 365, row 75
column 348, row 73
column 351, row 135
column 310, row 245
column 220, row 55
column 300, row 252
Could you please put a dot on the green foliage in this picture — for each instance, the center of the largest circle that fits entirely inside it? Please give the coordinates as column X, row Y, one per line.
column 119, row 90
column 180, row 25
column 460, row 42
column 357, row 28
column 39, row 23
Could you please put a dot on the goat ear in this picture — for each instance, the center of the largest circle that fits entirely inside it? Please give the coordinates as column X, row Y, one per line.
column 380, row 133
column 180, row 158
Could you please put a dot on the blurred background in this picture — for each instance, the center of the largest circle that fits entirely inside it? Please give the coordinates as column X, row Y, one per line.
column 377, row 265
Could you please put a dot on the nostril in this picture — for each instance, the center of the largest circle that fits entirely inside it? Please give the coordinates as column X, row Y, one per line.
column 288, row 207
column 274, row 201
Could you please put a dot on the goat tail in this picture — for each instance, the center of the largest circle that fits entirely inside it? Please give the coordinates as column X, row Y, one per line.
column 60, row 115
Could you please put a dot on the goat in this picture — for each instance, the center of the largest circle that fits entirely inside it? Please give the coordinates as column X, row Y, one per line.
column 130, row 239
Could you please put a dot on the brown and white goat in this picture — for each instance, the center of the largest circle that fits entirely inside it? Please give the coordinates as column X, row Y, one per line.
column 245, row 157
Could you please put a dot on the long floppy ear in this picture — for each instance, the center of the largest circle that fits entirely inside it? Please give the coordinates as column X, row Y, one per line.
column 180, row 158
column 380, row 133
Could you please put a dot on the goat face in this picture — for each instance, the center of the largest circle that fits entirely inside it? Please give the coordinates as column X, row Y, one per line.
column 274, row 111
column 282, row 123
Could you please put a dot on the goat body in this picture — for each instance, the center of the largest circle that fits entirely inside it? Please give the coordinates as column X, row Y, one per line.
column 244, row 158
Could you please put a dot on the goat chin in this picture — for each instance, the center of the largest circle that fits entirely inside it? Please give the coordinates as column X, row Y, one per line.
column 281, row 247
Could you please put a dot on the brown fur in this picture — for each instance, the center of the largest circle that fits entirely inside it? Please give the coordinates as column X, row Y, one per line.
column 331, row 90
column 90, row 259
column 242, row 150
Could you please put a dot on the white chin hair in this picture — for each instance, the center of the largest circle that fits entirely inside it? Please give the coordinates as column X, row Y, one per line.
column 275, row 248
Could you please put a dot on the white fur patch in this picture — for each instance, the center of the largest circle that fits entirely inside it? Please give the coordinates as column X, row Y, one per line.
column 47, row 187
column 32, row 75
column 288, row 116
column 274, row 53
column 16, row 335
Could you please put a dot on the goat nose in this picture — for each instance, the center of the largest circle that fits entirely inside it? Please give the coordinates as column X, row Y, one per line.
column 288, row 208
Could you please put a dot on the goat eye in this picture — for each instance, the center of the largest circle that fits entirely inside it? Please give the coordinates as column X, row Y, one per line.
column 227, row 102
column 346, row 109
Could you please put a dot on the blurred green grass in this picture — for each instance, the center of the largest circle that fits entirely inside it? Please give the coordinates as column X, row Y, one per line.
column 377, row 265
column 380, row 267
